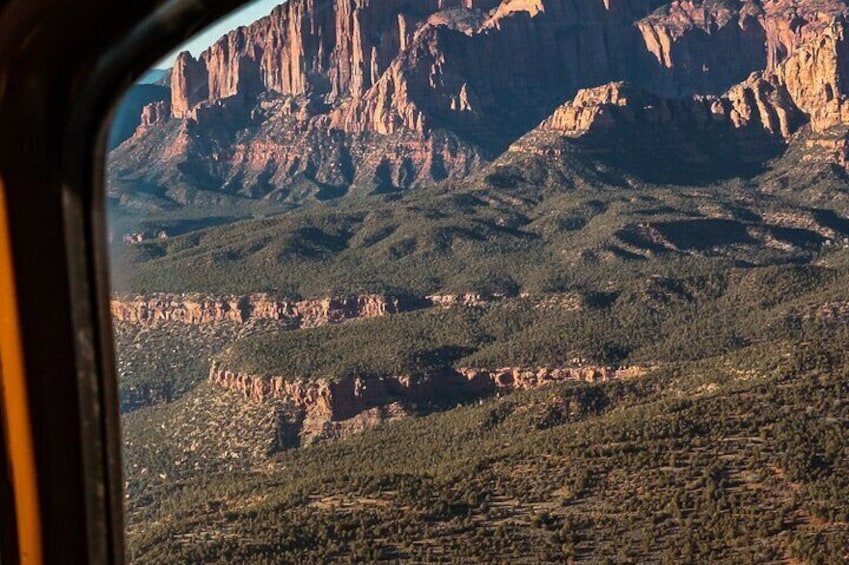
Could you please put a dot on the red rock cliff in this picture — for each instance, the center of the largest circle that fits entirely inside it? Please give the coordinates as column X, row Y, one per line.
column 386, row 95
column 808, row 87
column 204, row 309
column 353, row 403
column 402, row 64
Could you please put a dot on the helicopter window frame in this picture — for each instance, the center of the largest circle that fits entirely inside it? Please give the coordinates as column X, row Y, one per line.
column 84, row 212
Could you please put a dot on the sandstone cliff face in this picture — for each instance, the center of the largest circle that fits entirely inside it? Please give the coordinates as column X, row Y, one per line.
column 333, row 408
column 323, row 97
column 816, row 77
column 807, row 87
column 201, row 309
column 755, row 104
column 744, row 127
column 189, row 85
column 706, row 47
column 154, row 113
column 330, row 48
column 402, row 63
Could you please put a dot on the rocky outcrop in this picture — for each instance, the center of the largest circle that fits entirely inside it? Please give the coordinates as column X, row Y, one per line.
column 154, row 113
column 326, row 97
column 129, row 114
column 760, row 105
column 331, row 408
column 526, row 378
column 816, row 77
column 657, row 136
column 189, row 85
column 331, row 399
column 806, row 88
column 204, row 309
column 463, row 299
column 755, row 105
column 197, row 309
column 335, row 407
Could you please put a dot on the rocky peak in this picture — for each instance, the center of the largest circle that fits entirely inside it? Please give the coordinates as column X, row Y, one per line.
column 346, row 95
column 155, row 113
column 331, row 49
column 816, row 77
column 189, row 84
column 808, row 87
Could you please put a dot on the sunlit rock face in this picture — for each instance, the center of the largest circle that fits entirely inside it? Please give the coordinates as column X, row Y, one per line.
column 330, row 96
column 197, row 309
column 336, row 407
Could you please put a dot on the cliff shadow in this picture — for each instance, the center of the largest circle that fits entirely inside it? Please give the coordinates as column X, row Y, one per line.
column 681, row 154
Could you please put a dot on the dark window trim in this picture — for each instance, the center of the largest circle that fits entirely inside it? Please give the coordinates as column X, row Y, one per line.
column 8, row 525
column 63, row 66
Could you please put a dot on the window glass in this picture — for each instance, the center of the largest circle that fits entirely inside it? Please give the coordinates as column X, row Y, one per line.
column 473, row 281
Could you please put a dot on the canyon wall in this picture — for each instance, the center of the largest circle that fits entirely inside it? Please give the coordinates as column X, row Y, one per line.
column 326, row 97
column 399, row 63
column 326, row 407
column 197, row 308
column 755, row 104
column 205, row 309
column 746, row 126
column 750, row 122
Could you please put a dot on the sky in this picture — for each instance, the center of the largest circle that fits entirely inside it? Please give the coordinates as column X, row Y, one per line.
column 247, row 14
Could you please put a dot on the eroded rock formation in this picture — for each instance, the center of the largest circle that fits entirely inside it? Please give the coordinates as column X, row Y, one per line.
column 754, row 104
column 154, row 113
column 205, row 309
column 526, row 378
column 197, row 308
column 398, row 59
column 805, row 88
column 335, row 407
column 322, row 97
column 750, row 123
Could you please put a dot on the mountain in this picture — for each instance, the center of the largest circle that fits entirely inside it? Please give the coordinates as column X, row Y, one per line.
column 128, row 115
column 152, row 87
column 525, row 281
column 327, row 98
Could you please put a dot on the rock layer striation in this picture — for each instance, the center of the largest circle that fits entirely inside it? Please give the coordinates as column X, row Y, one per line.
column 324, row 97
column 330, row 407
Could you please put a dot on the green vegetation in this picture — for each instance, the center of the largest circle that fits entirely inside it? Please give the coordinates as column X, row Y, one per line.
column 637, row 321
column 733, row 450
column 541, row 232
column 412, row 343
column 735, row 459
column 162, row 363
